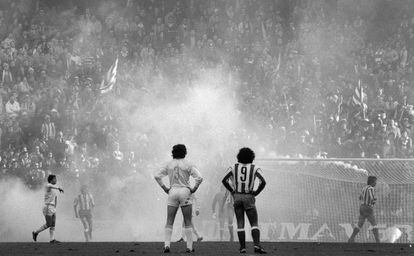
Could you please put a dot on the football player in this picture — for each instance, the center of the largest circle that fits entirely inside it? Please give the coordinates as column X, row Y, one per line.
column 179, row 193
column 366, row 210
column 83, row 205
column 243, row 176
column 49, row 209
column 224, row 200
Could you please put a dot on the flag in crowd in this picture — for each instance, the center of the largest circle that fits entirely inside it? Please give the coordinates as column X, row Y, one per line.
column 110, row 79
column 359, row 97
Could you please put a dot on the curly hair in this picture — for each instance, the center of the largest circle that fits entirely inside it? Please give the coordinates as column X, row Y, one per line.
column 371, row 179
column 179, row 151
column 50, row 178
column 245, row 156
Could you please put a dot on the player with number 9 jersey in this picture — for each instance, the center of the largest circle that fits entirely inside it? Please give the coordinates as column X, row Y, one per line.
column 242, row 177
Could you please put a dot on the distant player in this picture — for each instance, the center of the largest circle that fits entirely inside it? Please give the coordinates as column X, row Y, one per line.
column 225, row 210
column 196, row 213
column 243, row 175
column 49, row 210
column 179, row 193
column 366, row 210
column 83, row 205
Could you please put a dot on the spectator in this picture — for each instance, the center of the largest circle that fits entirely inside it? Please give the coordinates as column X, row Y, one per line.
column 27, row 105
column 14, row 134
column 49, row 163
column 25, row 160
column 7, row 77
column 13, row 107
column 390, row 150
column 36, row 156
column 22, row 86
column 117, row 155
column 404, row 145
column 59, row 146
column 48, row 129
column 35, row 176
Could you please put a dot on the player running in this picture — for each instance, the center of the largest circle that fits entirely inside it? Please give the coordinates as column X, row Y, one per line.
column 224, row 200
column 179, row 193
column 366, row 210
column 196, row 212
column 49, row 210
column 83, row 205
column 243, row 176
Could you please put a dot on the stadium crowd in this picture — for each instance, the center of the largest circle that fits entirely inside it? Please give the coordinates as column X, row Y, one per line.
column 319, row 78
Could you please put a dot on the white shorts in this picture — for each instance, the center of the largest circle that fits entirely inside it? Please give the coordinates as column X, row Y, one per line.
column 49, row 210
column 179, row 197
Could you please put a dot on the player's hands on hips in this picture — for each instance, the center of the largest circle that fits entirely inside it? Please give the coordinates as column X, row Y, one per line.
column 197, row 212
column 61, row 190
column 254, row 193
column 192, row 190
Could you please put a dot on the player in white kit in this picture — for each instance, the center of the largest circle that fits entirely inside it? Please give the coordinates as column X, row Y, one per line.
column 49, row 210
column 196, row 212
column 179, row 193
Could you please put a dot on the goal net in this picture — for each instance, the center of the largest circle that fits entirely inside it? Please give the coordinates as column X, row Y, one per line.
column 317, row 200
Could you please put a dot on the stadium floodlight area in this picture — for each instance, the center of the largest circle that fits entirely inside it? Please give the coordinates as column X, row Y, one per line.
column 316, row 200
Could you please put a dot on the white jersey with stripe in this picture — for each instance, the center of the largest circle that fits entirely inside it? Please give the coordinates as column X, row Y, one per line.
column 84, row 202
column 179, row 172
column 243, row 177
column 367, row 196
column 51, row 194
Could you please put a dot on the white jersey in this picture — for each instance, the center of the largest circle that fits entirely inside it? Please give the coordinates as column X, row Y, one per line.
column 179, row 172
column 51, row 194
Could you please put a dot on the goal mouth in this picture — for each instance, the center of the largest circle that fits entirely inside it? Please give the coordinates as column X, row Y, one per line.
column 318, row 199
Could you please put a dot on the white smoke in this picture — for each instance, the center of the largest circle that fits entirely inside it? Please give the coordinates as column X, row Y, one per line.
column 392, row 234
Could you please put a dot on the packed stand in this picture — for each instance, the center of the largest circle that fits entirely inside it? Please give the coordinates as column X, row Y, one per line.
column 299, row 64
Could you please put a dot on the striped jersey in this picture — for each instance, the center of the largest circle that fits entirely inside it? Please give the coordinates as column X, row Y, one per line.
column 367, row 196
column 48, row 130
column 84, row 202
column 51, row 194
column 243, row 177
column 179, row 172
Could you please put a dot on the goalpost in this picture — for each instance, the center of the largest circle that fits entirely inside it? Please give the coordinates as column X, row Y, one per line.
column 317, row 199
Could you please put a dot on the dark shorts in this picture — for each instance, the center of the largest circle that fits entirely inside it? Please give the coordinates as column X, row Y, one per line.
column 366, row 212
column 50, row 220
column 85, row 214
column 246, row 201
